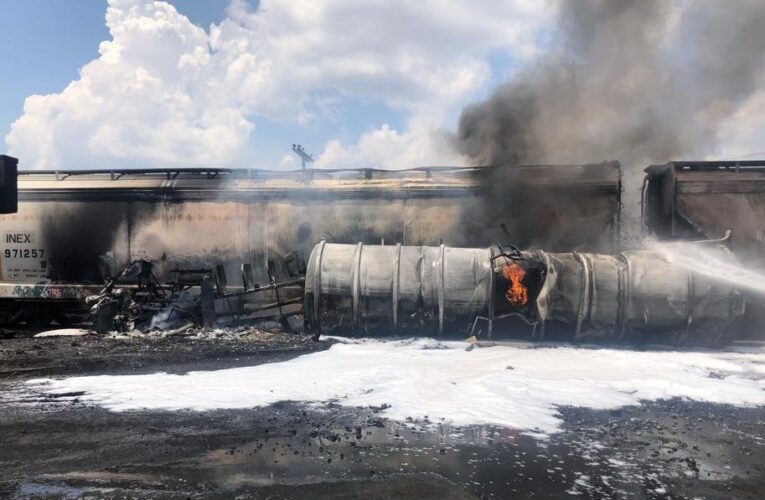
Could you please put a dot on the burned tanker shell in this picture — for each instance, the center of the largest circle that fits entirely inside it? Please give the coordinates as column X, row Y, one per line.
column 638, row 295
column 635, row 296
column 403, row 289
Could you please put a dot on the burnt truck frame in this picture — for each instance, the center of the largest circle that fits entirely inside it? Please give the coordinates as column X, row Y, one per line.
column 87, row 225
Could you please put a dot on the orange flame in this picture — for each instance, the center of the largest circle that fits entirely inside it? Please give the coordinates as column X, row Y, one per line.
column 516, row 294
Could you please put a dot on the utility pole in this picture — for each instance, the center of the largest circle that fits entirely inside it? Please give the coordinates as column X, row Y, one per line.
column 305, row 157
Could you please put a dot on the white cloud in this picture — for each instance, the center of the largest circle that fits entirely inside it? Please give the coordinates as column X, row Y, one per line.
column 422, row 144
column 164, row 91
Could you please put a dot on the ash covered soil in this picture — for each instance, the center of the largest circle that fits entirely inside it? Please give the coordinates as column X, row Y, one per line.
column 27, row 356
column 64, row 446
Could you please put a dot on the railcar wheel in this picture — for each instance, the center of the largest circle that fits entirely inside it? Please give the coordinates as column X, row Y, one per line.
column 38, row 315
column 103, row 320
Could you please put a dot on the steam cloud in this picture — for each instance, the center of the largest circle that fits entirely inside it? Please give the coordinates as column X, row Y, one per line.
column 639, row 81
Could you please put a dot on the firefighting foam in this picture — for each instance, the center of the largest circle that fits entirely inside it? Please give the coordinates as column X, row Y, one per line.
column 517, row 387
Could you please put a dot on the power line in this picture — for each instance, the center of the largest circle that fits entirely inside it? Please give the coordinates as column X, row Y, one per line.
column 748, row 156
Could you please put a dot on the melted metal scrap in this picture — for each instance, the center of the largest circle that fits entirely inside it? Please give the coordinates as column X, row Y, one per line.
column 142, row 301
column 136, row 300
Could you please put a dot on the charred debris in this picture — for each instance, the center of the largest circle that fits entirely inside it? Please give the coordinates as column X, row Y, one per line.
column 136, row 300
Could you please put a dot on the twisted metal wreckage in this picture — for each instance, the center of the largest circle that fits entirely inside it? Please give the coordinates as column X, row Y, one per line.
column 415, row 290
column 188, row 299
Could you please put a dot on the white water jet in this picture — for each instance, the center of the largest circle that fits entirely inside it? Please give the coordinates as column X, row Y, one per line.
column 708, row 261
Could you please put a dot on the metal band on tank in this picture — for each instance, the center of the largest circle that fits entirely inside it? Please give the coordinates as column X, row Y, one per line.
column 691, row 302
column 491, row 292
column 317, row 284
column 441, row 288
column 584, row 296
column 617, row 327
column 395, row 285
column 591, row 290
column 625, row 295
column 356, row 283
column 545, row 289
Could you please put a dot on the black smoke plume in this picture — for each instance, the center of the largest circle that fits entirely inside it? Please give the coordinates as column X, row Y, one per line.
column 637, row 81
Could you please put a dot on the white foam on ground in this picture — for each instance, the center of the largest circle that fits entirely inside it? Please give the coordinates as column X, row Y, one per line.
column 64, row 332
column 503, row 385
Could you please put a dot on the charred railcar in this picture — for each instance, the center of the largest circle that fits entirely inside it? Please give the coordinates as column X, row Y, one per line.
column 73, row 229
column 704, row 199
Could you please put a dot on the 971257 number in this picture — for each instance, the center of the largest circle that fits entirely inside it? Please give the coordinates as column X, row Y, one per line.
column 24, row 253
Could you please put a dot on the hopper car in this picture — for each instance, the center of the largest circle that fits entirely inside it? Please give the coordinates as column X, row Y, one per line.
column 75, row 229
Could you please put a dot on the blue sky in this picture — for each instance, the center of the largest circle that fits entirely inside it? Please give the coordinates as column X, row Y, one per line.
column 257, row 79
column 31, row 63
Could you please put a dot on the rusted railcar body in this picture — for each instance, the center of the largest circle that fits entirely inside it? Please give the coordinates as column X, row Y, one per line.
column 700, row 199
column 74, row 228
column 704, row 199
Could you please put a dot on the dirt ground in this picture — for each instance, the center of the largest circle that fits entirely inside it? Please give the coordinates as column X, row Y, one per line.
column 27, row 356
column 55, row 448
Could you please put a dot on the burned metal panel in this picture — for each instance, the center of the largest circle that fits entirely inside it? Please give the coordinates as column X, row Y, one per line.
column 605, row 296
column 704, row 199
column 744, row 214
column 195, row 235
column 300, row 223
column 470, row 202
column 64, row 242
column 567, row 293
column 433, row 221
column 658, row 292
